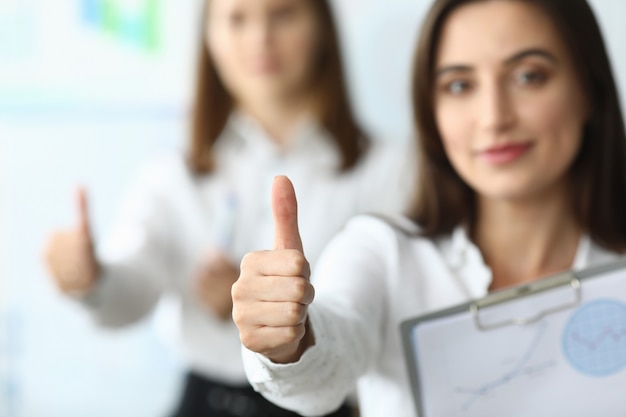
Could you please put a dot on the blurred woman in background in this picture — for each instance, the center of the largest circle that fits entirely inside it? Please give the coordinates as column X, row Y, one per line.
column 270, row 99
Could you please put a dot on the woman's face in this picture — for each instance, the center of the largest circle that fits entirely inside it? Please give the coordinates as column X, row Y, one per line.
column 263, row 49
column 509, row 107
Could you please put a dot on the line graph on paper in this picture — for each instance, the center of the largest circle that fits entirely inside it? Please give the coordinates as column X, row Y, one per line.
column 526, row 365
column 594, row 339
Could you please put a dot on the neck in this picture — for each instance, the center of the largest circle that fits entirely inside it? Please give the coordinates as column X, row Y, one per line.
column 525, row 240
column 279, row 118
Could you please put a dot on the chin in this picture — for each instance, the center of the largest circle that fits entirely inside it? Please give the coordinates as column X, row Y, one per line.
column 507, row 191
column 269, row 89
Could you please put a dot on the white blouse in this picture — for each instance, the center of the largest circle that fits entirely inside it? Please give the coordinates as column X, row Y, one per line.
column 171, row 219
column 370, row 278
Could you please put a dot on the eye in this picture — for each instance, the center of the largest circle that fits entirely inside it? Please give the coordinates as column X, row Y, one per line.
column 530, row 77
column 236, row 19
column 457, row 87
column 283, row 13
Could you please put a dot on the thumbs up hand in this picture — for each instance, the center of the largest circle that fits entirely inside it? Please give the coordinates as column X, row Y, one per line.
column 69, row 253
column 272, row 294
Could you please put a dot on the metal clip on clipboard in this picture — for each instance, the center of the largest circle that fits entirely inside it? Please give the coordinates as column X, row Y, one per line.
column 530, row 289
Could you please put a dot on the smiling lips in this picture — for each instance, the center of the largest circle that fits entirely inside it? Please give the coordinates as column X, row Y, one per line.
column 504, row 154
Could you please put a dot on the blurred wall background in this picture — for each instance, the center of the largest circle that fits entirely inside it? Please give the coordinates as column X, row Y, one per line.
column 90, row 90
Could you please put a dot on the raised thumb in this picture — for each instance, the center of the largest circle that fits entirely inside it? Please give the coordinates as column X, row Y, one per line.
column 285, row 212
column 83, row 211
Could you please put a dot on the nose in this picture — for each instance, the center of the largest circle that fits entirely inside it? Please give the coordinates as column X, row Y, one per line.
column 497, row 110
column 261, row 35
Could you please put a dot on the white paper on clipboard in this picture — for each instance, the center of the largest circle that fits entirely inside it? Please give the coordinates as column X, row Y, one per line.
column 509, row 359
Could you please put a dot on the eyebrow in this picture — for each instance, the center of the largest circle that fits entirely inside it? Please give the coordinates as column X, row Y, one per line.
column 509, row 61
column 530, row 52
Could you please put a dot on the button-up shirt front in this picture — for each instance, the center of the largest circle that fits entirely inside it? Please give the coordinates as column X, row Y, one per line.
column 370, row 278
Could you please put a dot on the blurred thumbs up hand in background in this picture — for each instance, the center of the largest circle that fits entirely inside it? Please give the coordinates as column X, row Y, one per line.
column 69, row 253
column 215, row 278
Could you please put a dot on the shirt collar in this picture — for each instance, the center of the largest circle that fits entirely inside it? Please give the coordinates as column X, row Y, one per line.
column 309, row 138
column 583, row 253
column 591, row 254
column 464, row 257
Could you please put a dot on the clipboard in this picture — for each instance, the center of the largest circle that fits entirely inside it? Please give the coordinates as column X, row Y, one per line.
column 553, row 347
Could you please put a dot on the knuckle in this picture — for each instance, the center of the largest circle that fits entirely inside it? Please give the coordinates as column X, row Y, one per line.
column 294, row 312
column 237, row 292
column 300, row 289
column 245, row 314
column 248, row 340
column 247, row 260
column 290, row 334
column 293, row 333
column 236, row 314
column 296, row 262
column 252, row 263
column 251, row 259
column 300, row 331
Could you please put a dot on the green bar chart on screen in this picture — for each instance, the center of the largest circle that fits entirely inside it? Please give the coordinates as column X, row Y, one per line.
column 133, row 22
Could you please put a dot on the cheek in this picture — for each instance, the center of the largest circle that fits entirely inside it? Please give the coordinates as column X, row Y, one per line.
column 455, row 130
column 298, row 47
column 222, row 50
column 227, row 58
column 545, row 116
column 557, row 122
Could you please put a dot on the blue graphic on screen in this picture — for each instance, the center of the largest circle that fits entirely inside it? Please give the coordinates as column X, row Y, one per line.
column 594, row 340
column 141, row 27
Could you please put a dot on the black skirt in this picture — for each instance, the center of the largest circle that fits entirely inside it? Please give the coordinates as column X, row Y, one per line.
column 205, row 398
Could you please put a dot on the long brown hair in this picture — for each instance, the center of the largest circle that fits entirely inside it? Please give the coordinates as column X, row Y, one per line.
column 598, row 174
column 213, row 103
